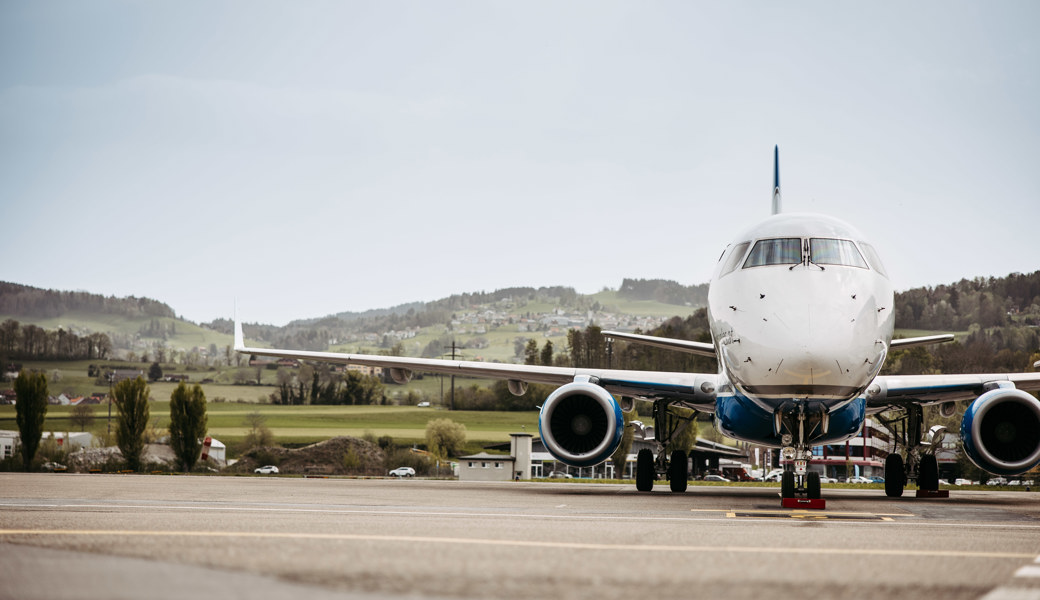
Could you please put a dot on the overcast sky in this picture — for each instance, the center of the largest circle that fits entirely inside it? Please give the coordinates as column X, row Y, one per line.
column 308, row 158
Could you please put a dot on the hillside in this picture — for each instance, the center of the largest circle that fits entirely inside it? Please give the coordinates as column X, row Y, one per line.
column 998, row 313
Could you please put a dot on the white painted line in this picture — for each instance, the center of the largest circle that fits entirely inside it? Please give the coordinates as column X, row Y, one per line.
column 569, row 517
column 1010, row 593
column 1028, row 571
column 410, row 539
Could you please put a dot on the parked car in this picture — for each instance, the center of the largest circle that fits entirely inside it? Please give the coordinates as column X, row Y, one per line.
column 715, row 478
column 859, row 479
column 825, row 479
column 423, row 404
column 997, row 481
column 403, row 472
column 54, row 467
column 774, row 475
column 560, row 475
column 962, row 481
column 266, row 470
column 877, row 479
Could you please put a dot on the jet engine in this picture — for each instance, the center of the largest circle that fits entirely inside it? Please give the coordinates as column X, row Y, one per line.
column 581, row 424
column 1001, row 431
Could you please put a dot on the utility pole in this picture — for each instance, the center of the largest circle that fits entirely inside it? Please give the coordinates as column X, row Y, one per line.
column 451, row 406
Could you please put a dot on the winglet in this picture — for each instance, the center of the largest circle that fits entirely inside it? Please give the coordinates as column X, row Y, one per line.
column 240, row 340
column 776, row 180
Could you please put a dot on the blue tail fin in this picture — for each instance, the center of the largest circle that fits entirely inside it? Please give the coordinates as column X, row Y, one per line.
column 776, row 180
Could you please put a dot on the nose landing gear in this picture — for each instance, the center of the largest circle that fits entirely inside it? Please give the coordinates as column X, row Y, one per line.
column 799, row 487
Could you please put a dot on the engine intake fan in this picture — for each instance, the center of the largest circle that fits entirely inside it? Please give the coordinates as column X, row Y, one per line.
column 581, row 424
column 1001, row 431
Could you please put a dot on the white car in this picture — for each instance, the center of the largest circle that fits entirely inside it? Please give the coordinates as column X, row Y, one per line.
column 859, row 479
column 715, row 478
column 266, row 470
column 403, row 472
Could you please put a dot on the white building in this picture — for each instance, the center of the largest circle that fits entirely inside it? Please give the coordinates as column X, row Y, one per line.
column 499, row 467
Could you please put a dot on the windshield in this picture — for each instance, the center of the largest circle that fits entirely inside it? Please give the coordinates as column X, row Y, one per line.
column 826, row 251
column 781, row 251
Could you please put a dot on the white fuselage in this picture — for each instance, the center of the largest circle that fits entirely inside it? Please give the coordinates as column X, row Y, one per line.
column 800, row 309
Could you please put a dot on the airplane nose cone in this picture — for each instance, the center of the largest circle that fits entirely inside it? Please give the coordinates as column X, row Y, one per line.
column 815, row 349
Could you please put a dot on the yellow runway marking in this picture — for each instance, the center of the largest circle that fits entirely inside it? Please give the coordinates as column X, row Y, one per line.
column 410, row 539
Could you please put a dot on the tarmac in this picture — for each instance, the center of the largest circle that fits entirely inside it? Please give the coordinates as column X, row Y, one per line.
column 70, row 536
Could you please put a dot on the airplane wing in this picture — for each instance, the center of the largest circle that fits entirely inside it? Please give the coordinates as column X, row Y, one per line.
column 690, row 388
column 894, row 390
column 700, row 348
column 901, row 343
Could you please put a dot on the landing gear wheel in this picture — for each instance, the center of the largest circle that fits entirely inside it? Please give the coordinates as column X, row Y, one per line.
column 895, row 476
column 812, row 485
column 645, row 470
column 678, row 471
column 928, row 473
column 787, row 485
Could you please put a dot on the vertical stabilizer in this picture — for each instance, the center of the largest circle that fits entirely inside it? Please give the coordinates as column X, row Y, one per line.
column 776, row 180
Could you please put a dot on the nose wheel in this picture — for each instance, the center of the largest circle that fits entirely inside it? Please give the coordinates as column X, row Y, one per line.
column 810, row 485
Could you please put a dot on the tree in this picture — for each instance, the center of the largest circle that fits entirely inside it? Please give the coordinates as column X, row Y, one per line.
column 155, row 372
column 131, row 399
column 547, row 353
column 259, row 435
column 187, row 424
column 82, row 415
column 444, row 437
column 531, row 352
column 31, row 406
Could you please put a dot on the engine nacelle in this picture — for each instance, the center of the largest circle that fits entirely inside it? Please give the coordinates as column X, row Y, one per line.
column 581, row 424
column 1001, row 431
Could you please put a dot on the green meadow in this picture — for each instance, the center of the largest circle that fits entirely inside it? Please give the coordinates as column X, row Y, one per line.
column 307, row 424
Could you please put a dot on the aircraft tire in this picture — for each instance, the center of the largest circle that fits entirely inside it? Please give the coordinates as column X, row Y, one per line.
column 928, row 473
column 678, row 471
column 645, row 470
column 787, row 485
column 812, row 485
column 895, row 476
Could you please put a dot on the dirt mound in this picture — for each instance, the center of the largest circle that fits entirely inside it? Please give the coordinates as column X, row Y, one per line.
column 336, row 456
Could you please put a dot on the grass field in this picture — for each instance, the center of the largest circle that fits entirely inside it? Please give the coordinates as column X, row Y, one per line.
column 305, row 424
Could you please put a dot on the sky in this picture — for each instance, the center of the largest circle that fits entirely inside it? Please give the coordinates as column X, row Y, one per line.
column 309, row 158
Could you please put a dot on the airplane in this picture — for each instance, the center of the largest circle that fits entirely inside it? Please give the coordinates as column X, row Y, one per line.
column 801, row 314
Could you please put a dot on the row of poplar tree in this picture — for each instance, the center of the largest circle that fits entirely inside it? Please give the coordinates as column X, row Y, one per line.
column 187, row 419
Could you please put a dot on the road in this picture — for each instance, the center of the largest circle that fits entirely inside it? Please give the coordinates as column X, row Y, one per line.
column 133, row 536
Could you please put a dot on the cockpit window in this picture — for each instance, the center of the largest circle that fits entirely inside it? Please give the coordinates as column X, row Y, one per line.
column 827, row 251
column 873, row 258
column 781, row 251
column 736, row 255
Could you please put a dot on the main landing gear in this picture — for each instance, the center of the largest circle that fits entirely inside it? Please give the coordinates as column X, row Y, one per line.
column 920, row 464
column 676, row 467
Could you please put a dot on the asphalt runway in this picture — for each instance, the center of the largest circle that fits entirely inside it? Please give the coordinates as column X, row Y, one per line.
column 134, row 536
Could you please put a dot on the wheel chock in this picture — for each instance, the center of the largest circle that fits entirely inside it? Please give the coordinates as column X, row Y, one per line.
column 817, row 503
column 933, row 493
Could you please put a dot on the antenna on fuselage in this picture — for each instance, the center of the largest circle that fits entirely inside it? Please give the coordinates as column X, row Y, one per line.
column 776, row 180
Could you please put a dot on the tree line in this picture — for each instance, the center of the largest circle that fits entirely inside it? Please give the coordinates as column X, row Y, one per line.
column 30, row 342
column 987, row 302
column 26, row 301
column 320, row 384
column 131, row 397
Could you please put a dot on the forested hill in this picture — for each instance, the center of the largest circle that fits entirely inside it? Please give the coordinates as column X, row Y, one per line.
column 986, row 302
column 27, row 302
